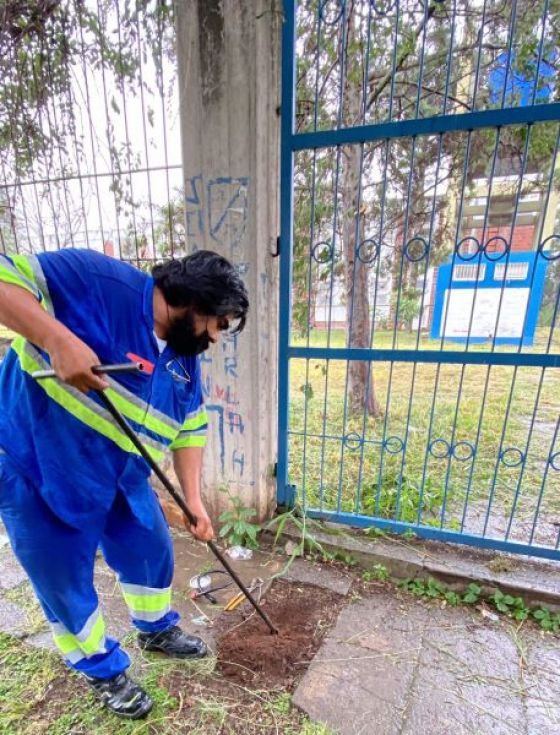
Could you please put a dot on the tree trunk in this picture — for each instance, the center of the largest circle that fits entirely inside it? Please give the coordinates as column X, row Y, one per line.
column 361, row 387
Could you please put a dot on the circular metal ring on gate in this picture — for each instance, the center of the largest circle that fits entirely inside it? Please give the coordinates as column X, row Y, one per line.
column 381, row 13
column 505, row 251
column 393, row 445
column 326, row 253
column 463, row 457
column 512, row 457
column 323, row 14
column 549, row 256
column 554, row 461
column 368, row 244
column 438, row 454
column 471, row 238
column 352, row 440
column 407, row 249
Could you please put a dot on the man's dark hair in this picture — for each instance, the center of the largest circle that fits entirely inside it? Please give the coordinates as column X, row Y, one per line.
column 206, row 282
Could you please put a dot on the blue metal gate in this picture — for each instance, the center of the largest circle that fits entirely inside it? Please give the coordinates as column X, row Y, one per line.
column 420, row 268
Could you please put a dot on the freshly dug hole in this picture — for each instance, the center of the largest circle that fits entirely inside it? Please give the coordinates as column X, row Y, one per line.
column 248, row 653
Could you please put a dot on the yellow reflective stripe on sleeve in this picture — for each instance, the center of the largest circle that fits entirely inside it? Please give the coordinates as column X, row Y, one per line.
column 41, row 282
column 199, row 419
column 9, row 274
column 189, row 440
column 22, row 264
column 79, row 405
column 26, row 272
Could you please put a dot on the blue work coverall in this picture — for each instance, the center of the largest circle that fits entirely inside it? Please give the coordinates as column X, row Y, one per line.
column 70, row 480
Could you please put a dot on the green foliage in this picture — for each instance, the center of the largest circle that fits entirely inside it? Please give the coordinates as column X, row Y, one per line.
column 472, row 595
column 375, row 532
column 31, row 672
column 378, row 573
column 307, row 390
column 549, row 306
column 282, row 703
column 315, row 728
column 408, row 304
column 399, row 497
column 42, row 46
column 547, row 620
column 307, row 543
column 509, row 605
column 237, row 527
column 512, row 607
column 346, row 558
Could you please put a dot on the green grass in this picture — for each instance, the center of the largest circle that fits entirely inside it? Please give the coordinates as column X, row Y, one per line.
column 423, row 402
column 40, row 696
column 23, row 596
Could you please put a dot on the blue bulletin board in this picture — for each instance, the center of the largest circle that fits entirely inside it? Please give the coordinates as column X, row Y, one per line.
column 489, row 297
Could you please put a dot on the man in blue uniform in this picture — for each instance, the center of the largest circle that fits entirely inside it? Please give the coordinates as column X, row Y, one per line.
column 70, row 480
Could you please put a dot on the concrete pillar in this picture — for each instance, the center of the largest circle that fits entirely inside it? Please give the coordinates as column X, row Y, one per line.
column 228, row 65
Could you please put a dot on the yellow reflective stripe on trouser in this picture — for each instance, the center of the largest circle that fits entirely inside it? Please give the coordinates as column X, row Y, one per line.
column 146, row 603
column 79, row 405
column 138, row 410
column 90, row 641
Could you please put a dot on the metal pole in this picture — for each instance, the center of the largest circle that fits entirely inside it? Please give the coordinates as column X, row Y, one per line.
column 124, row 367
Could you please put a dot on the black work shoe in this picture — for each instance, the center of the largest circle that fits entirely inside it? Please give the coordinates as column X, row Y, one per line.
column 174, row 643
column 122, row 696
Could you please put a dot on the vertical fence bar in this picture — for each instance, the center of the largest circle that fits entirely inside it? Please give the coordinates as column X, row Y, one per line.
column 286, row 243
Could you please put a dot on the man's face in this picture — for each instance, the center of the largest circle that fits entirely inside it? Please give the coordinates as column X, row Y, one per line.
column 191, row 333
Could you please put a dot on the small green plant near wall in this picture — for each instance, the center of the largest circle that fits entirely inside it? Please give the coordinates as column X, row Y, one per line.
column 513, row 607
column 378, row 573
column 237, row 527
column 399, row 496
column 307, row 544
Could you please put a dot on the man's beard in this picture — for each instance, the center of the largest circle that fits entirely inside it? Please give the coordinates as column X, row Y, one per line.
column 182, row 339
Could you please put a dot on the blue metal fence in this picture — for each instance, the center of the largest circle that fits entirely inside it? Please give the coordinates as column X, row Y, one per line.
column 420, row 269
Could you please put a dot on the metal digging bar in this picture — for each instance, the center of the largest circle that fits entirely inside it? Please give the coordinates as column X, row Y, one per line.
column 121, row 421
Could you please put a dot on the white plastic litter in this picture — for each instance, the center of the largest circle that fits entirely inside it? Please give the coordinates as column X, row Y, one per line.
column 239, row 553
column 200, row 582
column 201, row 621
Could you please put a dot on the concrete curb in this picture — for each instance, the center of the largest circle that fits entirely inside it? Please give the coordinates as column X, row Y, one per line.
column 537, row 582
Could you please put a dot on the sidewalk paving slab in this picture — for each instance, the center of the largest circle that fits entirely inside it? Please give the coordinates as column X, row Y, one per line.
column 393, row 665
column 13, row 619
column 308, row 572
column 541, row 681
column 360, row 678
column 12, row 572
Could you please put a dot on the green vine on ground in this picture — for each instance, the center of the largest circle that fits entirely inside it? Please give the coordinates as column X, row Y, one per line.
column 513, row 607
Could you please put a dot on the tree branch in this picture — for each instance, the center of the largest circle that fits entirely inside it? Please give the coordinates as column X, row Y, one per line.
column 403, row 57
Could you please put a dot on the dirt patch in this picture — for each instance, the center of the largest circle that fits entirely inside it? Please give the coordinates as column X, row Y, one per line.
column 249, row 654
